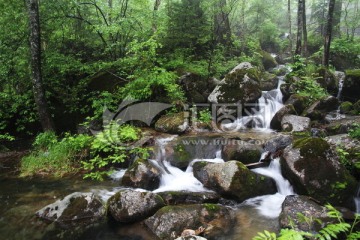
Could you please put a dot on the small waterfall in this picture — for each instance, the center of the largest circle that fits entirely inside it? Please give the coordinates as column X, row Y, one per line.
column 341, row 77
column 270, row 205
column 268, row 104
column 357, row 200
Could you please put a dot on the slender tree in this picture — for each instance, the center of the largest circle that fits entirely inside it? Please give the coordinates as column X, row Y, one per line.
column 156, row 9
column 304, row 29
column 328, row 33
column 290, row 30
column 35, row 49
column 299, row 34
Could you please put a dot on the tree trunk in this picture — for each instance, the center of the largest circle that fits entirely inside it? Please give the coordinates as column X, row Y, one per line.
column 35, row 49
column 290, row 30
column 304, row 47
column 156, row 8
column 299, row 29
column 337, row 18
column 222, row 30
column 328, row 33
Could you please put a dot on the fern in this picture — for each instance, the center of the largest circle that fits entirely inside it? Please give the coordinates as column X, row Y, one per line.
column 291, row 234
column 332, row 230
column 266, row 235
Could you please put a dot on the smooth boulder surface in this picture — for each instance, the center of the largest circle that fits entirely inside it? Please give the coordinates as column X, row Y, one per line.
column 233, row 180
column 176, row 123
column 184, row 197
column 142, row 174
column 241, row 85
column 242, row 151
column 294, row 205
column 277, row 143
column 314, row 169
column 276, row 120
column 293, row 123
column 170, row 221
column 76, row 209
column 131, row 206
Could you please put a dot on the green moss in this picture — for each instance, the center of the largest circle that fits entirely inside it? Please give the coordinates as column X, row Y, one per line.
column 353, row 73
column 346, row 107
column 312, row 147
column 181, row 154
column 211, row 207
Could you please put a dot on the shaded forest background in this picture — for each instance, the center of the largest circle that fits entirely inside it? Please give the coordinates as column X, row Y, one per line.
column 99, row 52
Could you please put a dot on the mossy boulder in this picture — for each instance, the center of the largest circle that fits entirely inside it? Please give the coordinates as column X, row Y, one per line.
column 184, row 197
column 293, row 205
column 142, row 174
column 356, row 108
column 175, row 123
column 299, row 102
column 342, row 125
column 241, row 151
column 327, row 80
column 241, row 85
column 276, row 120
column 346, row 107
column 233, row 180
column 351, row 86
column 131, row 206
column 197, row 88
column 286, row 91
column 170, row 221
column 268, row 81
column 75, row 210
column 267, row 60
column 313, row 167
column 319, row 109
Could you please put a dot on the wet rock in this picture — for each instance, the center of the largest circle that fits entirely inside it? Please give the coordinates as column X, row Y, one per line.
column 242, row 151
column 278, row 143
column 356, row 108
column 342, row 126
column 294, row 205
column 191, row 238
column 267, row 60
column 170, row 221
column 76, row 209
column 293, row 123
column 318, row 110
column 184, row 197
column 313, row 167
column 233, row 180
column 351, row 86
column 241, row 85
column 276, row 120
column 299, row 103
column 142, row 174
column 286, row 91
column 197, row 88
column 183, row 150
column 346, row 107
column 130, row 206
column 328, row 80
column 176, row 123
column 268, row 81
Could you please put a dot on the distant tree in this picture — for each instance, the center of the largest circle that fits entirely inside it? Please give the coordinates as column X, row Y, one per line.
column 35, row 49
column 328, row 33
column 299, row 34
column 222, row 29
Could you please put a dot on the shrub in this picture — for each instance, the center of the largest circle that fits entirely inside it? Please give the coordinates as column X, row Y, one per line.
column 309, row 88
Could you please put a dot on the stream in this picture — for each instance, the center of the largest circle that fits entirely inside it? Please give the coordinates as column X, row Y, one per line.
column 20, row 198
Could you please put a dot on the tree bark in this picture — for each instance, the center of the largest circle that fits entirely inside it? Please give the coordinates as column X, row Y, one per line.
column 328, row 33
column 304, row 32
column 156, row 8
column 290, row 30
column 222, row 29
column 299, row 28
column 35, row 49
column 337, row 18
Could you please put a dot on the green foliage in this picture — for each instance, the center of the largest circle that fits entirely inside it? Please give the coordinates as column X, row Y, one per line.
column 343, row 155
column 53, row 157
column 109, row 148
column 355, row 132
column 330, row 231
column 205, row 116
column 309, row 88
column 6, row 137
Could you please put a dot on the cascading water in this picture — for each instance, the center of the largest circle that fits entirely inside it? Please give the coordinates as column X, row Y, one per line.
column 341, row 77
column 268, row 104
column 270, row 205
column 336, row 115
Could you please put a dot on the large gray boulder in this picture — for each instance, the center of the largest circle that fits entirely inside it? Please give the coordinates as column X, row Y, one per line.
column 233, row 180
column 176, row 123
column 293, row 123
column 170, row 221
column 318, row 110
column 241, row 85
column 242, row 151
column 76, row 209
column 131, row 206
column 185, row 197
column 276, row 120
column 294, row 205
column 277, row 143
column 299, row 102
column 142, row 174
column 313, row 167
